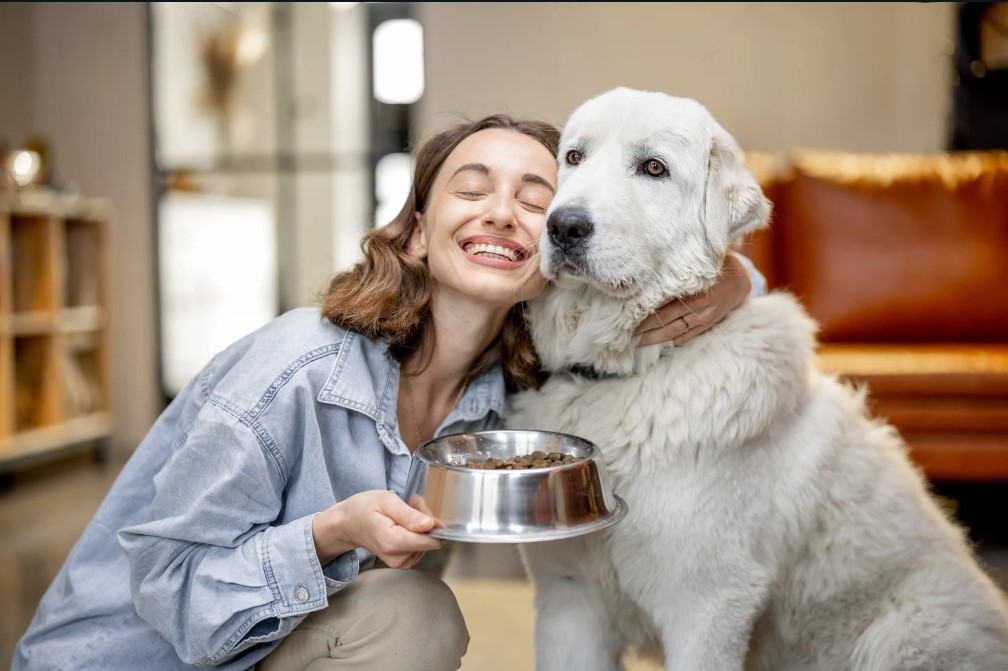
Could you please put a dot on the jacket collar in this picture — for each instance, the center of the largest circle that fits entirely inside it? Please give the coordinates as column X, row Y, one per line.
column 361, row 377
column 365, row 378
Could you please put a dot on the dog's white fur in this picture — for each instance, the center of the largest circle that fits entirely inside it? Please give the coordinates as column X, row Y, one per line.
column 772, row 525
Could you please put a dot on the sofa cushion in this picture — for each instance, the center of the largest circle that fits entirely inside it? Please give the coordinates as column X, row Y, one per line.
column 896, row 248
column 950, row 402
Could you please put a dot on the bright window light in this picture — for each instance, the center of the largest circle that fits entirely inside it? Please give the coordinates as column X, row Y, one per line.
column 392, row 186
column 398, row 61
column 218, row 277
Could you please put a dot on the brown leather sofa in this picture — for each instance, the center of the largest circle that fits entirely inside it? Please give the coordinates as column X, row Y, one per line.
column 903, row 260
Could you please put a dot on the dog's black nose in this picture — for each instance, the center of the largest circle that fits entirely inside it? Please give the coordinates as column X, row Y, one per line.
column 569, row 226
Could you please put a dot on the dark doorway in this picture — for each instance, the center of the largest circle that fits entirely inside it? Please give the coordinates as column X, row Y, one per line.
column 980, row 102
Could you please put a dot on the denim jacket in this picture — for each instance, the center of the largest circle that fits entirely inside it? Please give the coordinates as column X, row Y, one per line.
column 202, row 552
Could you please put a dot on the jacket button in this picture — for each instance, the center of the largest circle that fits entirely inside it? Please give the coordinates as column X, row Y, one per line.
column 301, row 594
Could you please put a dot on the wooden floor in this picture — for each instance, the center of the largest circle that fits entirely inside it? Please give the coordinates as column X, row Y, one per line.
column 42, row 513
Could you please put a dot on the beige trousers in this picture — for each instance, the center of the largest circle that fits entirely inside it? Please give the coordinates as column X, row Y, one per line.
column 385, row 620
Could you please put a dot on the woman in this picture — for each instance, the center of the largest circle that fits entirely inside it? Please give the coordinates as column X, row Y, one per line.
column 269, row 486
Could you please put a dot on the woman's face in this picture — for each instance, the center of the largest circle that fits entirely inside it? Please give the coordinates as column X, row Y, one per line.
column 485, row 212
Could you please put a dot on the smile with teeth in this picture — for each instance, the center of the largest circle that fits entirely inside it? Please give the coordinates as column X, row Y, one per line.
column 492, row 251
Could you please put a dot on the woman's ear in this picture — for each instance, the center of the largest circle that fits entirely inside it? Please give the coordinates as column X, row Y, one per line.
column 417, row 245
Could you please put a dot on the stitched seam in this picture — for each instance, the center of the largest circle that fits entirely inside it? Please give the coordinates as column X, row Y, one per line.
column 384, row 399
column 341, row 358
column 268, row 570
column 364, row 408
column 205, row 378
column 289, row 372
column 229, row 644
column 320, row 584
column 182, row 438
column 264, row 439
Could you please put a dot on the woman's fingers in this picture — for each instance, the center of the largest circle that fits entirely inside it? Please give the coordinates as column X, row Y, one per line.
column 664, row 333
column 683, row 319
column 401, row 548
column 703, row 312
column 420, row 504
column 406, row 536
column 663, row 318
column 406, row 515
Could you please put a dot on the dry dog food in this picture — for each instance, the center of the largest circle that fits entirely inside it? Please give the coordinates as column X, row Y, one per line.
column 537, row 459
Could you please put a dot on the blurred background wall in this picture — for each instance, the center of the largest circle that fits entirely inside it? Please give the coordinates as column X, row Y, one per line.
column 853, row 76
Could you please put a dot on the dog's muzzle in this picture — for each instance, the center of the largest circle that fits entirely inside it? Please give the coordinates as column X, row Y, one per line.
column 568, row 230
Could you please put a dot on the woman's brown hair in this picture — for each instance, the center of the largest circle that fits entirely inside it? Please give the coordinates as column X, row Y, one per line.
column 388, row 296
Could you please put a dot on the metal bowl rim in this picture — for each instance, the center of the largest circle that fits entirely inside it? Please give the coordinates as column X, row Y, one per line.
column 420, row 456
column 540, row 535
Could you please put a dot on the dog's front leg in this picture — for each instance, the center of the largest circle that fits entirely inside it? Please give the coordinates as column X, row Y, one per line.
column 572, row 630
column 712, row 631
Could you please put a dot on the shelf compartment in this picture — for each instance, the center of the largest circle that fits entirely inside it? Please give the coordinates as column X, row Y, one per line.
column 82, row 249
column 37, row 397
column 32, row 267
column 82, row 374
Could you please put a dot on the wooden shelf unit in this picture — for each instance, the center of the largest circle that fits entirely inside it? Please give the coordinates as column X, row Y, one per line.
column 54, row 339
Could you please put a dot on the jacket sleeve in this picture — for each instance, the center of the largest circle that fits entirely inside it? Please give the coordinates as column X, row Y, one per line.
column 758, row 283
column 210, row 569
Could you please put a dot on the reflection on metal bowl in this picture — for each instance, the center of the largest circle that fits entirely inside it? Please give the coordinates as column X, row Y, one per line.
column 512, row 506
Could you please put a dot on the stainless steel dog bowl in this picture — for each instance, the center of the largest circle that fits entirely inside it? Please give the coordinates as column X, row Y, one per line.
column 519, row 506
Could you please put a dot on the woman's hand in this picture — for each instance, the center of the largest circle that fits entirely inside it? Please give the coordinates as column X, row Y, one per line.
column 378, row 521
column 683, row 319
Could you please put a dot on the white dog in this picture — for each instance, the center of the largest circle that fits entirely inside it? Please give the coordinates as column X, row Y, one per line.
column 772, row 524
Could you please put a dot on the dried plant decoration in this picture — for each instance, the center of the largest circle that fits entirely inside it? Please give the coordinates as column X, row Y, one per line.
column 225, row 53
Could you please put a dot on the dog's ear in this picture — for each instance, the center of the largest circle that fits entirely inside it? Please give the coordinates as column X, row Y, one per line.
column 734, row 203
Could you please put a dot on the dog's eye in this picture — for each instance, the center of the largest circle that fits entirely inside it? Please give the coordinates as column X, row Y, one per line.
column 573, row 157
column 654, row 167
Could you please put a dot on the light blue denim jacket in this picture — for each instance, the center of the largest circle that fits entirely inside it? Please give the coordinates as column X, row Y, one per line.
column 202, row 552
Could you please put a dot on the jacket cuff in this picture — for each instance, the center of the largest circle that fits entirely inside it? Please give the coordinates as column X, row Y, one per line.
column 292, row 568
column 340, row 571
